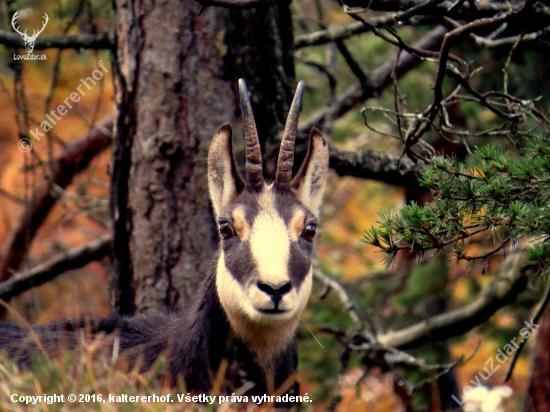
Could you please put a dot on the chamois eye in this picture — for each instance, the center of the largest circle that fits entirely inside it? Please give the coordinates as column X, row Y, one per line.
column 309, row 232
column 226, row 230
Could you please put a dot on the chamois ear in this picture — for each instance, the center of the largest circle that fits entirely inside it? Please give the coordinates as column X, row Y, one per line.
column 310, row 181
column 224, row 182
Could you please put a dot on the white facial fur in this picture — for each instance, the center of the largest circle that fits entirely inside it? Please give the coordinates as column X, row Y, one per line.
column 270, row 241
column 265, row 334
column 248, row 301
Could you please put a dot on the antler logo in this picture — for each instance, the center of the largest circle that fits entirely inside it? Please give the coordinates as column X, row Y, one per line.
column 29, row 40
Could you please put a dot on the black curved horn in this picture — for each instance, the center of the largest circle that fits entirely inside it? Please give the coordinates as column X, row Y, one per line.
column 253, row 165
column 283, row 175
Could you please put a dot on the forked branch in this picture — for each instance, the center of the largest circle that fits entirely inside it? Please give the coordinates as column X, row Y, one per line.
column 74, row 158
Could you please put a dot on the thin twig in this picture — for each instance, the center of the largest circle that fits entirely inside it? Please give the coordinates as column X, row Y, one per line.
column 342, row 295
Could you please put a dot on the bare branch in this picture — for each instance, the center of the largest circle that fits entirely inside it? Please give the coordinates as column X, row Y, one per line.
column 445, row 369
column 421, row 127
column 370, row 164
column 355, row 67
column 335, row 33
column 11, row 197
column 492, row 40
column 100, row 41
column 74, row 158
column 449, row 7
column 377, row 81
column 501, row 290
column 74, row 258
column 235, row 4
column 512, row 39
column 342, row 295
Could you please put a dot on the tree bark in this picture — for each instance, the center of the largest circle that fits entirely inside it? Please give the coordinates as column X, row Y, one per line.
column 538, row 392
column 176, row 82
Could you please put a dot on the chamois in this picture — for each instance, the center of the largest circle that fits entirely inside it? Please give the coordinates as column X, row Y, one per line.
column 258, row 285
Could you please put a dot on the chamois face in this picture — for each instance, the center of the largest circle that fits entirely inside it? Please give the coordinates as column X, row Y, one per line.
column 264, row 271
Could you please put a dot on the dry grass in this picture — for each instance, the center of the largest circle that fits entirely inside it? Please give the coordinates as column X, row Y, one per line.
column 92, row 373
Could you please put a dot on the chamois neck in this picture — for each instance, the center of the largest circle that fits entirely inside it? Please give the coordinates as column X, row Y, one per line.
column 252, row 352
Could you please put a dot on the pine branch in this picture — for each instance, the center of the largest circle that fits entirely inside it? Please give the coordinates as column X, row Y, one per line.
column 502, row 195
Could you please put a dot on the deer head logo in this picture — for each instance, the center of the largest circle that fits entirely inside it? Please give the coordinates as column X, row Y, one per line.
column 29, row 40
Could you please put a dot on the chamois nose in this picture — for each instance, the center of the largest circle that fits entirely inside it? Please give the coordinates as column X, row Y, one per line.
column 276, row 292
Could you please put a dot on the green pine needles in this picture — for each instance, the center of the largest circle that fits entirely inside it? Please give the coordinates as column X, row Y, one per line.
column 501, row 200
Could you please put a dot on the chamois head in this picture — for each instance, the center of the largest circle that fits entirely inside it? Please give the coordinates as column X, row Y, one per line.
column 264, row 271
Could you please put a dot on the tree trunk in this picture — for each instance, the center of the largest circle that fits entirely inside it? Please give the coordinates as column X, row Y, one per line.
column 538, row 393
column 176, row 83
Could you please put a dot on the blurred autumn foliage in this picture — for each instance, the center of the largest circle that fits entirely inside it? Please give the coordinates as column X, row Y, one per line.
column 80, row 214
